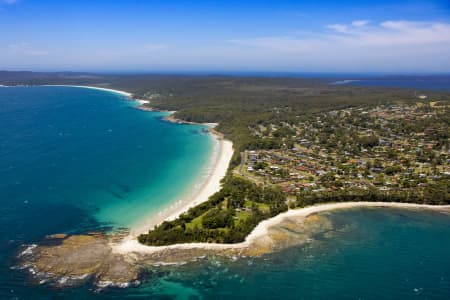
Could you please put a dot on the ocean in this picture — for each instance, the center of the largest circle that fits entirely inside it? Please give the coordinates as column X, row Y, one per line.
column 77, row 160
column 418, row 83
column 74, row 160
column 368, row 254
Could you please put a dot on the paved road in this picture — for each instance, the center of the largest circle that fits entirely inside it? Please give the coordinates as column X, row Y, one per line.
column 242, row 162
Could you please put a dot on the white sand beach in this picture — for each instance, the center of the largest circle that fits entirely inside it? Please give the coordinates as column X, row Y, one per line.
column 219, row 167
column 211, row 185
column 142, row 102
column 217, row 170
column 130, row 245
column 94, row 88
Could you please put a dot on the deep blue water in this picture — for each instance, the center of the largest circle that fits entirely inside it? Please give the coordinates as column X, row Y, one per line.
column 424, row 83
column 73, row 160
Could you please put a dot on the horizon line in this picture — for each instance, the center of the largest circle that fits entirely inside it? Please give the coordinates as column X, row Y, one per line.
column 235, row 73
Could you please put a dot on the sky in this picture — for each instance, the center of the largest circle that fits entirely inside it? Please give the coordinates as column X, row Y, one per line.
column 327, row 36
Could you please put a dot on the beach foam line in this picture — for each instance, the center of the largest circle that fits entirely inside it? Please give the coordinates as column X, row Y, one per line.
column 130, row 245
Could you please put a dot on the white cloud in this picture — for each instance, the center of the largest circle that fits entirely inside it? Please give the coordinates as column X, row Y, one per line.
column 391, row 33
column 390, row 44
column 24, row 48
column 388, row 33
column 360, row 23
column 344, row 28
column 338, row 28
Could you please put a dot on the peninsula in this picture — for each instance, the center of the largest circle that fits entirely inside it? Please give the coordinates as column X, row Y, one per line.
column 225, row 149
column 300, row 147
column 297, row 142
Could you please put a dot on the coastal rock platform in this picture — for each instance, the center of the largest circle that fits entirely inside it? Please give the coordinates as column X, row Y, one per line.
column 119, row 260
column 65, row 260
column 77, row 258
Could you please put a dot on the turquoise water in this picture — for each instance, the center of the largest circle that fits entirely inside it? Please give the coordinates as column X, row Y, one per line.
column 94, row 151
column 73, row 160
column 370, row 254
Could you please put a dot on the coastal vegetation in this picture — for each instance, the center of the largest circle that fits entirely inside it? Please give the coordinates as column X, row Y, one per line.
column 369, row 145
column 236, row 103
column 297, row 142
column 227, row 217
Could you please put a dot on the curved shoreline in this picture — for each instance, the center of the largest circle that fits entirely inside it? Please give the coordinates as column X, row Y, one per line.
column 132, row 246
column 117, row 260
column 208, row 186
column 123, row 93
column 123, row 262
column 129, row 244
